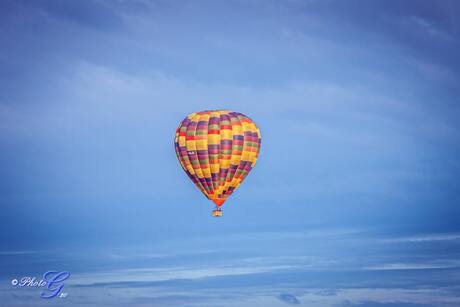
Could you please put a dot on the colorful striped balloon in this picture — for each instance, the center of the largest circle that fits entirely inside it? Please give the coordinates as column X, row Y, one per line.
column 217, row 149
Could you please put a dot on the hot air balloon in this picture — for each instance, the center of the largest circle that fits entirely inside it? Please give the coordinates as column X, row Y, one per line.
column 217, row 149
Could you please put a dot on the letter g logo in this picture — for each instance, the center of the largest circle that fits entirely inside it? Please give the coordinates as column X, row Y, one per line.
column 54, row 283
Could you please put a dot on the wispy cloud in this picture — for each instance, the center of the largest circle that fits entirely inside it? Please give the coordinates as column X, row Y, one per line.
column 425, row 238
column 416, row 266
column 19, row 252
column 381, row 304
column 288, row 298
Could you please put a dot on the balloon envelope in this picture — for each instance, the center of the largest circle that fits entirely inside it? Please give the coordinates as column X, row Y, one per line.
column 217, row 149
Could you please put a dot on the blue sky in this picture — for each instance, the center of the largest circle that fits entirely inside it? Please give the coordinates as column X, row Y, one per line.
column 353, row 201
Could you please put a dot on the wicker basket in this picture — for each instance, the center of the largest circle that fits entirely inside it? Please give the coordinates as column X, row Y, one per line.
column 217, row 212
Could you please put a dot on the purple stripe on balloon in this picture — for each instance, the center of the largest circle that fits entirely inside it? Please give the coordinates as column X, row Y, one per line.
column 223, row 172
column 214, row 120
